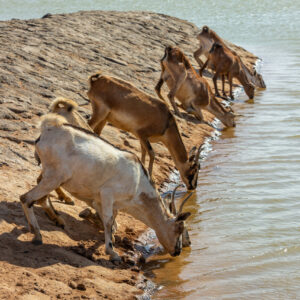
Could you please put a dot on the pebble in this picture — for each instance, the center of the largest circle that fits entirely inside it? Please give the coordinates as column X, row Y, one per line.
column 72, row 284
column 81, row 287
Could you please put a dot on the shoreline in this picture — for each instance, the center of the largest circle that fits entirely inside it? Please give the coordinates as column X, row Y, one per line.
column 45, row 58
column 208, row 142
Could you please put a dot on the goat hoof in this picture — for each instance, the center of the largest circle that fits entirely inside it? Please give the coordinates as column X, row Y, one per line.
column 37, row 242
column 62, row 226
column 67, row 200
column 70, row 202
column 59, row 222
column 30, row 204
column 23, row 198
column 170, row 96
column 86, row 213
column 115, row 258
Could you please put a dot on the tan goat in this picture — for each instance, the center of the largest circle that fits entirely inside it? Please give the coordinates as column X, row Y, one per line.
column 207, row 37
column 189, row 88
column 227, row 63
column 68, row 109
column 149, row 119
column 105, row 177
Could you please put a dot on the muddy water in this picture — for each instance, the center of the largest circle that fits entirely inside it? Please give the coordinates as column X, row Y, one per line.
column 245, row 225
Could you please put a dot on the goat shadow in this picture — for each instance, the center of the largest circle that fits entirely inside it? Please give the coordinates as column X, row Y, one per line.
column 86, row 236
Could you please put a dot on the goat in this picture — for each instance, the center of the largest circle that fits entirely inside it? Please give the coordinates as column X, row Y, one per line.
column 207, row 37
column 227, row 63
column 149, row 119
column 68, row 109
column 106, row 178
column 189, row 88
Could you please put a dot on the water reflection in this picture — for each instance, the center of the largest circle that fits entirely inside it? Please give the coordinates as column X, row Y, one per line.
column 245, row 219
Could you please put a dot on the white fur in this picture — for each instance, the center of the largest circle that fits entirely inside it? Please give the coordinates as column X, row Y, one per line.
column 103, row 176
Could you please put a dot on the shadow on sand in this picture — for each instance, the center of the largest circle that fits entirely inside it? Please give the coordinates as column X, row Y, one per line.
column 83, row 249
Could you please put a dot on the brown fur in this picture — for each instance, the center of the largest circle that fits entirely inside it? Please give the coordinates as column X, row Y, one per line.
column 228, row 63
column 207, row 37
column 68, row 109
column 188, row 87
column 149, row 119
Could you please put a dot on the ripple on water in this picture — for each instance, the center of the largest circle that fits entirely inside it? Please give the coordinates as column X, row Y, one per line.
column 245, row 223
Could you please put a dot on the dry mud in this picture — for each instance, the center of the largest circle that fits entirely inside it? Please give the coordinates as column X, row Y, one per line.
column 53, row 56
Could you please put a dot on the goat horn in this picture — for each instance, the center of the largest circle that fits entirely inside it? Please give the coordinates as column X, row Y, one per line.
column 183, row 202
column 192, row 151
column 198, row 153
column 173, row 199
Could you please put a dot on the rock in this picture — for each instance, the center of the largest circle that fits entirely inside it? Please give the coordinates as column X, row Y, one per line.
column 81, row 287
column 85, row 213
column 73, row 284
column 126, row 243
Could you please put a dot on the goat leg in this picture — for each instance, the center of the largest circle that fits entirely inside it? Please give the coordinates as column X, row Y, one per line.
column 49, row 181
column 51, row 212
column 197, row 54
column 147, row 146
column 215, row 84
column 62, row 196
column 107, row 216
column 230, row 86
column 223, row 85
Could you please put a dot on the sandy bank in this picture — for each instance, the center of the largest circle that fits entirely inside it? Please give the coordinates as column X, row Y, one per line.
column 44, row 58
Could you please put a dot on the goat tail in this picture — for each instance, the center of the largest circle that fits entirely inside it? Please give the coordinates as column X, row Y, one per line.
column 94, row 77
column 61, row 102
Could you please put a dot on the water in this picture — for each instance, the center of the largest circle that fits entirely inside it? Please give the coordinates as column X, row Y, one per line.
column 245, row 223
column 245, row 231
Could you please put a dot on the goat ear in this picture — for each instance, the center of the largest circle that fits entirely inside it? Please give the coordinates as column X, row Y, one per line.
column 179, row 227
column 192, row 154
column 183, row 216
column 95, row 77
column 192, row 158
column 205, row 28
column 193, row 151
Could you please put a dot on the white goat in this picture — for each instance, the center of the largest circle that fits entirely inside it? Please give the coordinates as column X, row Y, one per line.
column 106, row 178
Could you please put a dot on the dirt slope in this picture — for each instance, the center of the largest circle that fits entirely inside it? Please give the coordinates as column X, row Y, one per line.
column 48, row 57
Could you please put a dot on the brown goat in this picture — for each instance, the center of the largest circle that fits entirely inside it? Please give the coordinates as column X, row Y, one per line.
column 227, row 63
column 189, row 88
column 207, row 37
column 149, row 119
